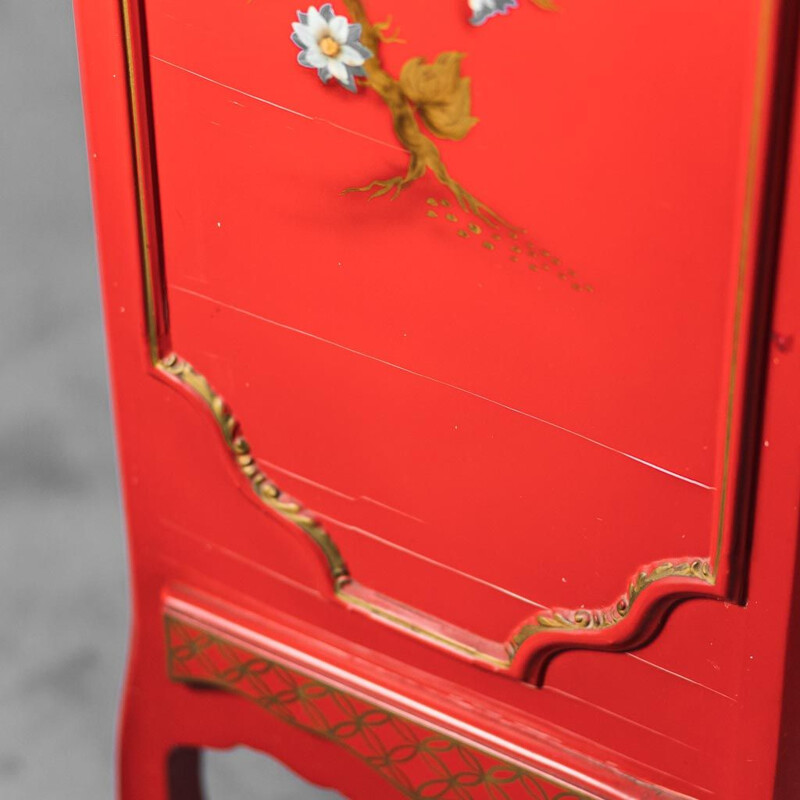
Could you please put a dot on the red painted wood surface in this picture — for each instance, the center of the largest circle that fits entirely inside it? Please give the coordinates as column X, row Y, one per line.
column 429, row 398
column 484, row 438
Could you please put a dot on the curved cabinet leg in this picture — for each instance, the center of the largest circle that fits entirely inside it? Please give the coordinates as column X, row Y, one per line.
column 184, row 780
column 152, row 769
column 158, row 759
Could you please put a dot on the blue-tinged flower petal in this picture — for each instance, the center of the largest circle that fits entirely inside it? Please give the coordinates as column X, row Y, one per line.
column 350, row 57
column 354, row 33
column 483, row 10
column 343, row 62
column 312, row 58
column 364, row 51
column 338, row 29
column 317, row 24
column 337, row 69
column 302, row 35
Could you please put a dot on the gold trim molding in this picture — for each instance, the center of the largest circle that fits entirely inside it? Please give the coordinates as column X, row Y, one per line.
column 265, row 489
column 585, row 619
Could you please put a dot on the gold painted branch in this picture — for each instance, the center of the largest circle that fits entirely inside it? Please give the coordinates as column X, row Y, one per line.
column 424, row 155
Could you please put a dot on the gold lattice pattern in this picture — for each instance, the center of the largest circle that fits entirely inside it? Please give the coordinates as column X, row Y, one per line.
column 417, row 762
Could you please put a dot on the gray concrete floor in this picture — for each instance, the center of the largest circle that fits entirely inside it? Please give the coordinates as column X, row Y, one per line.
column 63, row 586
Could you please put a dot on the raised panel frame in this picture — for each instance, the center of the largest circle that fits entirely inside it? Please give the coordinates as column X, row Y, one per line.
column 640, row 608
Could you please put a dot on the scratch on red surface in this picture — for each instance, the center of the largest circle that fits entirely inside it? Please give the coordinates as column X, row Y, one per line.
column 439, row 382
column 337, row 492
column 277, row 105
column 257, row 565
column 421, row 557
column 622, row 717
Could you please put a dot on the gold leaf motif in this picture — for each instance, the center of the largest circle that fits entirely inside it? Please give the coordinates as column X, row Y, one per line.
column 440, row 93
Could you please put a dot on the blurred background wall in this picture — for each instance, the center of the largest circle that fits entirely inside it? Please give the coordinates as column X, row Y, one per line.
column 62, row 575
column 63, row 583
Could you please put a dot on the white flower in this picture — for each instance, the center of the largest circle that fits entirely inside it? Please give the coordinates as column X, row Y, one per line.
column 485, row 9
column 330, row 44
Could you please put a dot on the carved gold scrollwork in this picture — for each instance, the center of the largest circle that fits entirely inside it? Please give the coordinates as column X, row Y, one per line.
column 584, row 619
column 265, row 489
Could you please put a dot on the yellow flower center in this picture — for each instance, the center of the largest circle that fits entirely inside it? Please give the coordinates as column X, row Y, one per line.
column 329, row 46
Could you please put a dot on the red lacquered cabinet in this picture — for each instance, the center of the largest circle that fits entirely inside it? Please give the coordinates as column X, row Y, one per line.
column 454, row 351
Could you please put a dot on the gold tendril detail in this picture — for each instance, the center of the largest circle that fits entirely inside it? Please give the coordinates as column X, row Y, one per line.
column 423, row 154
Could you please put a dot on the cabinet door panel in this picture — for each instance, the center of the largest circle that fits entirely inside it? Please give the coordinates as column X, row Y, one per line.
column 503, row 373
